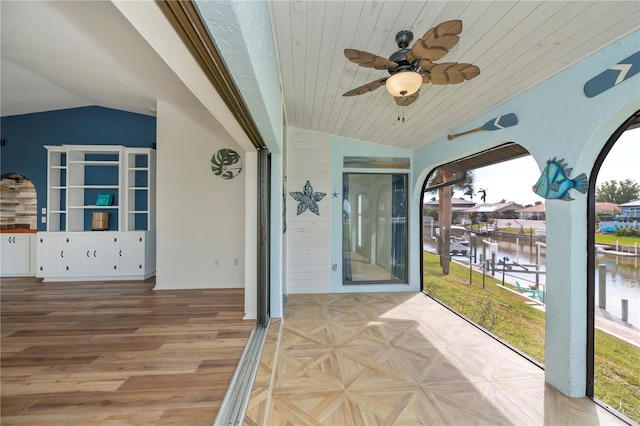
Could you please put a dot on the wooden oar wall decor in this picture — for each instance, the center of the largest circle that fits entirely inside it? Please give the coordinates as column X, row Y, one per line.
column 497, row 123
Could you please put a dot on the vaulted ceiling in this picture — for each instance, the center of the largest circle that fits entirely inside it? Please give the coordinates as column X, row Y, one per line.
column 58, row 55
column 516, row 45
column 65, row 54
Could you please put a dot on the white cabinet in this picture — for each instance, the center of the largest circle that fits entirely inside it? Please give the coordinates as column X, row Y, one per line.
column 16, row 254
column 131, row 254
column 104, row 256
column 93, row 254
column 50, row 254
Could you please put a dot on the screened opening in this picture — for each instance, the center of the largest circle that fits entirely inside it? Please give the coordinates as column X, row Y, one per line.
column 374, row 230
column 484, row 244
column 613, row 375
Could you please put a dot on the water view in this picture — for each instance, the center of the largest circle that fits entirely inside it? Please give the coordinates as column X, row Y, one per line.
column 622, row 277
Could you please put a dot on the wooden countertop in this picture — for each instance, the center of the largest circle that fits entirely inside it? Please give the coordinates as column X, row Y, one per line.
column 18, row 231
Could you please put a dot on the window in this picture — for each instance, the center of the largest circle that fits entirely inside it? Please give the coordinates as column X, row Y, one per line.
column 374, row 228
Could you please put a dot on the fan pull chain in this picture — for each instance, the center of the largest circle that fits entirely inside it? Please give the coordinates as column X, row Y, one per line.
column 399, row 114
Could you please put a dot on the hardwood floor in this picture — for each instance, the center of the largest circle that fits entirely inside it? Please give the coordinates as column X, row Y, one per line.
column 119, row 353
column 116, row 352
column 402, row 359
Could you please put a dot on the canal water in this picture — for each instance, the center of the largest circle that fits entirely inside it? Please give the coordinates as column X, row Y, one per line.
column 622, row 276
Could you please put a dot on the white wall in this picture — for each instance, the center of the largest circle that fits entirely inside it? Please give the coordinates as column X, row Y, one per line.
column 307, row 235
column 200, row 216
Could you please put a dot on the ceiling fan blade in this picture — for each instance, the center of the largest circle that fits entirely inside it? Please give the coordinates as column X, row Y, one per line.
column 436, row 42
column 365, row 88
column 368, row 60
column 426, row 64
column 407, row 100
column 452, row 73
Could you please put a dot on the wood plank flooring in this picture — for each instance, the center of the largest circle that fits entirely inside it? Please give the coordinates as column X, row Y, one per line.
column 401, row 359
column 116, row 352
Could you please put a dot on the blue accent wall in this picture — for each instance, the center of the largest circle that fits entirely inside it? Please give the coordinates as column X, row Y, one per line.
column 25, row 136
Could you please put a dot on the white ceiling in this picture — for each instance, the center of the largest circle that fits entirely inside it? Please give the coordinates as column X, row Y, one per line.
column 58, row 55
column 516, row 44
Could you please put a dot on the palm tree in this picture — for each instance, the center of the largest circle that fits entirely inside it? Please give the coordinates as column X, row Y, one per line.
column 445, row 193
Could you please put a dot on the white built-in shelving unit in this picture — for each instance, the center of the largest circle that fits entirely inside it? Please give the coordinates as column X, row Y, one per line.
column 77, row 174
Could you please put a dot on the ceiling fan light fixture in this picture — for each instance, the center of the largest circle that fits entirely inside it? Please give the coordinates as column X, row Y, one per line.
column 404, row 83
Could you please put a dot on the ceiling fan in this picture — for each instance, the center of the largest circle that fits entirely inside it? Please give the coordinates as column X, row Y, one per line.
column 410, row 68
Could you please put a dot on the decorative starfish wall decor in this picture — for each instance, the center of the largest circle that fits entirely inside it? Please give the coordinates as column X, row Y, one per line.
column 308, row 199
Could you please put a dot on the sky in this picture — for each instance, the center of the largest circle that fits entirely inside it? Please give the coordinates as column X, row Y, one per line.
column 623, row 162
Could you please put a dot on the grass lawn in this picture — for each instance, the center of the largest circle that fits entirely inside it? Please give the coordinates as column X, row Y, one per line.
column 611, row 239
column 526, row 231
column 600, row 238
column 505, row 314
column 617, row 374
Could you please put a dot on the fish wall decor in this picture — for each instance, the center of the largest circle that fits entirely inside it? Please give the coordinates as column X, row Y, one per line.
column 555, row 182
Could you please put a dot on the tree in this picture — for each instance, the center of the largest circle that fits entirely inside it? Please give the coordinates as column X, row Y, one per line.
column 618, row 192
column 444, row 209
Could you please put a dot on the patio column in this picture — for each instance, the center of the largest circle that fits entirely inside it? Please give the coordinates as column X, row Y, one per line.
column 565, row 337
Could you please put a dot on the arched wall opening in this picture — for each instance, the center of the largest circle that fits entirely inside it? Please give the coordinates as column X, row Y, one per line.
column 18, row 210
column 610, row 377
column 18, row 225
column 485, row 259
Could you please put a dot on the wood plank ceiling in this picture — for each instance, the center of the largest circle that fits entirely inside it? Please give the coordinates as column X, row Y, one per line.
column 516, row 44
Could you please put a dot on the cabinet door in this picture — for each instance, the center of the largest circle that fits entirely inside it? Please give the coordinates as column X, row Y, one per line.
column 131, row 253
column 15, row 256
column 103, row 253
column 51, row 251
column 7, row 254
column 21, row 254
column 78, row 254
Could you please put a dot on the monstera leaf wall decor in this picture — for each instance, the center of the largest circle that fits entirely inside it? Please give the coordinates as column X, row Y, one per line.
column 226, row 163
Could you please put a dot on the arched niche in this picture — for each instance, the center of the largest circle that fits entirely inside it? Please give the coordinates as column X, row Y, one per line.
column 18, row 203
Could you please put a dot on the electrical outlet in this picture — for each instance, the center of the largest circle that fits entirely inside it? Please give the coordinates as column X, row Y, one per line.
column 236, row 262
column 44, row 210
column 43, row 219
column 334, row 266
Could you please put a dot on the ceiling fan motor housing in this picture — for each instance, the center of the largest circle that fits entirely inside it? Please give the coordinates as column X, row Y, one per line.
column 403, row 38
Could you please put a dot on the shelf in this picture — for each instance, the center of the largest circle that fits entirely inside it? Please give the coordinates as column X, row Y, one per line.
column 93, row 186
column 138, row 188
column 93, row 207
column 95, row 162
column 139, row 212
column 58, row 211
column 59, row 187
column 144, row 169
column 59, row 167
